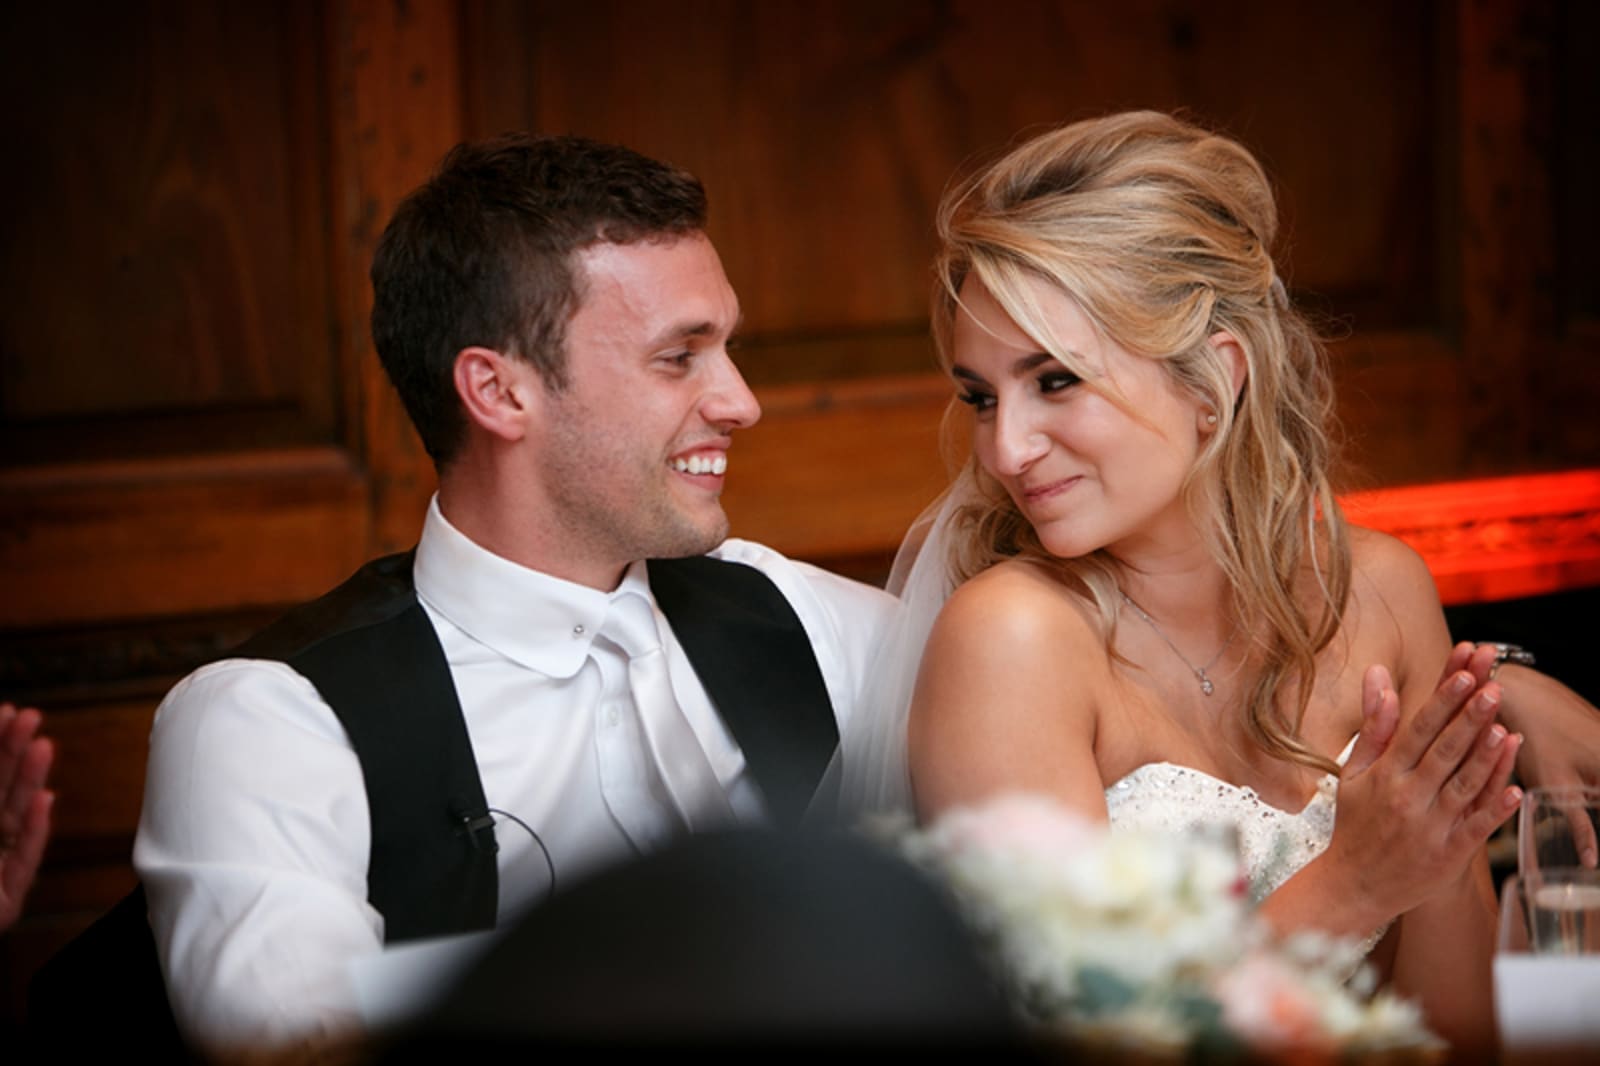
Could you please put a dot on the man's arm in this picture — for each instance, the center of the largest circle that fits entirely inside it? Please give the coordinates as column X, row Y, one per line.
column 1561, row 733
column 1562, row 729
column 253, row 847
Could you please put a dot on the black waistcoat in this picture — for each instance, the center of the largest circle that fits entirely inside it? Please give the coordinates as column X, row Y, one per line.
column 372, row 654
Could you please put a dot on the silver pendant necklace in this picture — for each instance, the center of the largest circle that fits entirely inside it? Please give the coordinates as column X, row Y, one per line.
column 1206, row 685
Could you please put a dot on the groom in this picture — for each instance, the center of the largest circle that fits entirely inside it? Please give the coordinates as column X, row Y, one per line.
column 521, row 701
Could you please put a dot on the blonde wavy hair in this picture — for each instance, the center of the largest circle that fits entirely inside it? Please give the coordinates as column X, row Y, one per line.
column 1161, row 233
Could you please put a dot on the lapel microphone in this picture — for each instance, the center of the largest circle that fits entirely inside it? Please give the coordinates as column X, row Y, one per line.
column 479, row 828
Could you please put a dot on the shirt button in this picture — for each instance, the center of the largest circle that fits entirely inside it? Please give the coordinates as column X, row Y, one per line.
column 611, row 717
column 577, row 630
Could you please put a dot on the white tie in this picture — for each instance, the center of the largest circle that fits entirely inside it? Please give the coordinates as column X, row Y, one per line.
column 630, row 624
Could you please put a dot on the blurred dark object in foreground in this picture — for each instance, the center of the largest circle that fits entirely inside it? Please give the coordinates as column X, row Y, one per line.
column 732, row 942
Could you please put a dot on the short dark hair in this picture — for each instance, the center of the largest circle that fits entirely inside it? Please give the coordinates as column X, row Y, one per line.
column 482, row 254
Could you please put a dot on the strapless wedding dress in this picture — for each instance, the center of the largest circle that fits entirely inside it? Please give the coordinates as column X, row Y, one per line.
column 1274, row 844
column 1163, row 797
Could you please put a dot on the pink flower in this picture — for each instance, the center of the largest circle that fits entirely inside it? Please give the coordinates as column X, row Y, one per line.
column 1018, row 823
column 1266, row 1002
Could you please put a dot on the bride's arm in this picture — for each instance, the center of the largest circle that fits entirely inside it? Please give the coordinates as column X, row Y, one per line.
column 1411, row 822
column 1443, row 958
column 1003, row 701
column 1445, row 947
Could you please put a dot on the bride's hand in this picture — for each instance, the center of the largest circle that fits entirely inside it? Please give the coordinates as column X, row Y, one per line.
column 1380, row 704
column 1418, row 799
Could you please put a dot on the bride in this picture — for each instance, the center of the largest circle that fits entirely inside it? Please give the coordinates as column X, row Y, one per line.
column 1141, row 597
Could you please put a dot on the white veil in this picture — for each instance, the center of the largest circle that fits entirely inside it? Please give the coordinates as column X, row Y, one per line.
column 875, row 777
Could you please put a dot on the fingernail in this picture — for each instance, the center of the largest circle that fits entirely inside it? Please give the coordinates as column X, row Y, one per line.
column 1489, row 698
column 1497, row 733
column 1513, row 796
column 1460, row 683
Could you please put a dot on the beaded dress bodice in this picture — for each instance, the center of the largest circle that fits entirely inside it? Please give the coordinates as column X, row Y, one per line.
column 1274, row 844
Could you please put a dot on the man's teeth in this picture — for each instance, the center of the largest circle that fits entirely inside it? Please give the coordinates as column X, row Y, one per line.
column 701, row 464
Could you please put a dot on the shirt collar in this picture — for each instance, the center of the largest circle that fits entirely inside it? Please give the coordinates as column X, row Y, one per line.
column 541, row 622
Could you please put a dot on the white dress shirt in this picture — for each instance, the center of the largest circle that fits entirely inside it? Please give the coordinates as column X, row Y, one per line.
column 254, row 839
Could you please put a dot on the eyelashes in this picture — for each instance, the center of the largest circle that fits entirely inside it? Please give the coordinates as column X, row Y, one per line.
column 1055, row 381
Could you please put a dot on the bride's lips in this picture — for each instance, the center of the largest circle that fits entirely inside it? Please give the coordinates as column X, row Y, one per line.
column 1049, row 490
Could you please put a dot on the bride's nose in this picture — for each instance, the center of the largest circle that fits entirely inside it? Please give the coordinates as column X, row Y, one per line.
column 1018, row 439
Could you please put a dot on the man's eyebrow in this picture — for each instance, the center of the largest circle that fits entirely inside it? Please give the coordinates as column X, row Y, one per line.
column 692, row 330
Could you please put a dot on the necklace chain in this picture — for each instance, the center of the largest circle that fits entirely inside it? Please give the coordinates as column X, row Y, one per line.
column 1207, row 686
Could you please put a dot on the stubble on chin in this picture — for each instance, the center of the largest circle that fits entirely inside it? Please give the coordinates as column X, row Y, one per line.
column 682, row 538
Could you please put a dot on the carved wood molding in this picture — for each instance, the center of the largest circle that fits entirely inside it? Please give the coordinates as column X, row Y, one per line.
column 59, row 669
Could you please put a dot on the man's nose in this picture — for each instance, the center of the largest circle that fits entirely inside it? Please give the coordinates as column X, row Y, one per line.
column 729, row 403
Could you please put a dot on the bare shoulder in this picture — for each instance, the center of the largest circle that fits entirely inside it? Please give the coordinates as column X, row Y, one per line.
column 1383, row 555
column 1006, row 696
column 1388, row 572
column 1017, row 606
column 1395, row 601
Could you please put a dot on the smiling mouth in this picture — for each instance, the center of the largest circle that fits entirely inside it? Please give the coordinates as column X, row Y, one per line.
column 1038, row 493
column 715, row 464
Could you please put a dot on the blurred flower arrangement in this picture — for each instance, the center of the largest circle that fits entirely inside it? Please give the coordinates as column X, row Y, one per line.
column 1149, row 944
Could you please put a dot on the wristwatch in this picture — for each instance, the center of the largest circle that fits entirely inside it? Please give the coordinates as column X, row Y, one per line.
column 1507, row 653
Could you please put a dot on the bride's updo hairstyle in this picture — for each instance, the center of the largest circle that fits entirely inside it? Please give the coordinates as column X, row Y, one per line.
column 1161, row 233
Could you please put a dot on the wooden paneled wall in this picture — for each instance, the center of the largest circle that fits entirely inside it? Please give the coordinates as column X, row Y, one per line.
column 194, row 432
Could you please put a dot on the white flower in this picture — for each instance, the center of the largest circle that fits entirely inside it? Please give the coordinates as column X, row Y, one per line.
column 1146, row 938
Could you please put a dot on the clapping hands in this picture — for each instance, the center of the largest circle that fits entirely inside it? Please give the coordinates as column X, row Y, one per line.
column 1428, row 790
column 24, row 806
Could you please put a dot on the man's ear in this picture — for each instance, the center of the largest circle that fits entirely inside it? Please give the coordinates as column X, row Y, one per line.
column 1228, row 346
column 494, row 391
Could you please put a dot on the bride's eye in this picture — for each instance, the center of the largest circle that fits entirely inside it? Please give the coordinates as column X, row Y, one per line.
column 978, row 401
column 1057, row 380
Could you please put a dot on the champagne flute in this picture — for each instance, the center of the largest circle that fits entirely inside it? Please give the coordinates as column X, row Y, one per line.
column 1556, row 842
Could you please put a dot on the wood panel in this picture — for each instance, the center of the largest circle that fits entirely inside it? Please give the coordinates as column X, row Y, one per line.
column 1576, row 137
column 1406, row 142
column 172, row 261
column 399, row 111
column 1508, row 231
column 195, row 430
column 94, row 543
column 826, row 132
column 217, row 509
column 870, row 449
